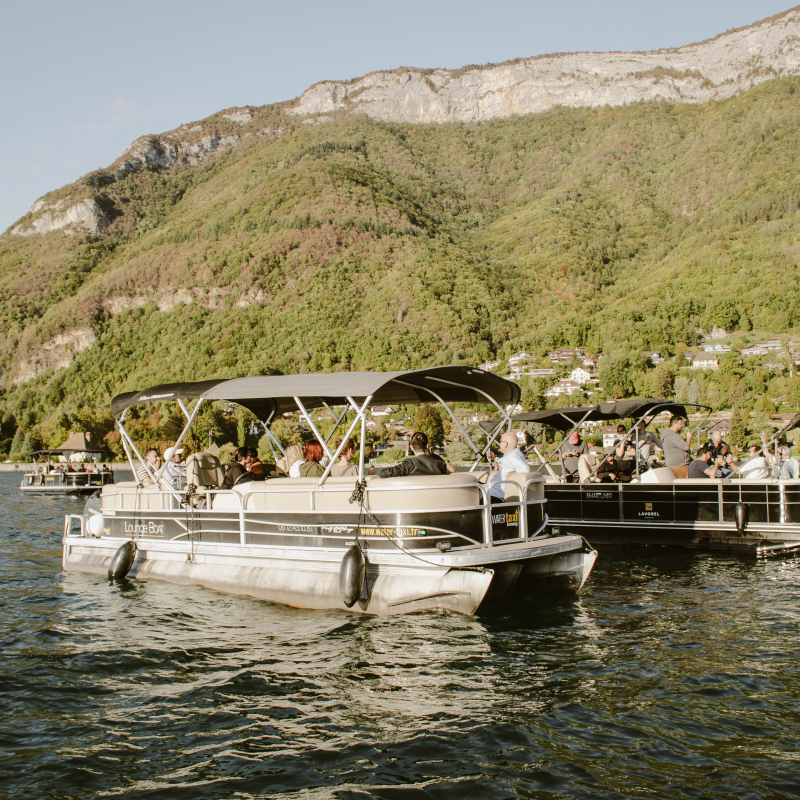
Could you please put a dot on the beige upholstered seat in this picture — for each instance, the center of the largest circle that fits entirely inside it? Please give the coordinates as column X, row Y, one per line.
column 587, row 464
column 458, row 490
column 204, row 471
column 658, row 475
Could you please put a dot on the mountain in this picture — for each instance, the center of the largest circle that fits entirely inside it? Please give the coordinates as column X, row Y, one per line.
column 711, row 70
column 261, row 239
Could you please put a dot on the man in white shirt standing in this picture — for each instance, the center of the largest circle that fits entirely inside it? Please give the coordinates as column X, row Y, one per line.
column 512, row 460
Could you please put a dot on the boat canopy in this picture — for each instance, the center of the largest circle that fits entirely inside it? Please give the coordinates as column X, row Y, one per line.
column 564, row 419
column 269, row 395
column 75, row 443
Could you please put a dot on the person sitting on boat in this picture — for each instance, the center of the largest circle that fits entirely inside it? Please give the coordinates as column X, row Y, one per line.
column 676, row 451
column 790, row 467
column 344, row 465
column 706, row 465
column 756, row 466
column 572, row 449
column 154, row 462
column 720, row 448
column 423, row 462
column 173, row 474
column 616, row 469
column 256, row 468
column 310, row 467
column 236, row 469
column 511, row 460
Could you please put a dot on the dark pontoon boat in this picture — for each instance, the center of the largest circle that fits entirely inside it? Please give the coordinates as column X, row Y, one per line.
column 760, row 516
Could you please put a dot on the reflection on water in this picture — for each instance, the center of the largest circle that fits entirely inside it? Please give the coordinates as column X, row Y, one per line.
column 672, row 675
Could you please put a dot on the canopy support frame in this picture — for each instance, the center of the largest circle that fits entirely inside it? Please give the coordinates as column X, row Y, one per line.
column 339, row 450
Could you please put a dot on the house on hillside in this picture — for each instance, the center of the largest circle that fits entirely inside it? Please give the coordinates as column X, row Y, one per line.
column 754, row 349
column 563, row 387
column 518, row 370
column 477, row 417
column 723, row 426
column 565, row 354
column 580, row 375
column 705, row 361
column 540, row 373
column 717, row 348
column 381, row 411
column 490, row 366
column 610, row 436
column 518, row 358
column 655, row 357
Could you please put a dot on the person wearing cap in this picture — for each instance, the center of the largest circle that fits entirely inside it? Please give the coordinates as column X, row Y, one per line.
column 173, row 474
column 572, row 449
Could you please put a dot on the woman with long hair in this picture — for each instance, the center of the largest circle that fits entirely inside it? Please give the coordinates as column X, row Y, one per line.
column 344, row 465
column 312, row 455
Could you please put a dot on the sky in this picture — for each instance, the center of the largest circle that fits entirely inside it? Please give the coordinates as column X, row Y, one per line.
column 83, row 78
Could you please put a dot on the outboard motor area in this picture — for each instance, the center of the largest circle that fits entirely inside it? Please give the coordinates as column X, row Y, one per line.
column 352, row 574
column 122, row 561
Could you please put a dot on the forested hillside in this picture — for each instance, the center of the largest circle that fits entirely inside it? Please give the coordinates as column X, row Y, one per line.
column 359, row 244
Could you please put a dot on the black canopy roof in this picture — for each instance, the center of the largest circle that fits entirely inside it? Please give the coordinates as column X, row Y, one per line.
column 564, row 419
column 265, row 394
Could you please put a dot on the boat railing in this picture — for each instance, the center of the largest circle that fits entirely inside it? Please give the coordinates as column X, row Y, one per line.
column 207, row 500
column 70, row 521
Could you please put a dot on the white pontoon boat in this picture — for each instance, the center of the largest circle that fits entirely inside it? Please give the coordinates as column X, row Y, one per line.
column 376, row 545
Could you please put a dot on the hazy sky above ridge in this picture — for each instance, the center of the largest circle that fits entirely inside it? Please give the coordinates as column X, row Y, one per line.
column 82, row 79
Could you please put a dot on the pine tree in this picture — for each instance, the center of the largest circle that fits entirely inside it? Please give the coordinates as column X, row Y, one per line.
column 18, row 442
column 241, row 432
column 737, row 434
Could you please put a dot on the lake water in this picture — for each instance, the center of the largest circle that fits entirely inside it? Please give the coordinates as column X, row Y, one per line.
column 671, row 676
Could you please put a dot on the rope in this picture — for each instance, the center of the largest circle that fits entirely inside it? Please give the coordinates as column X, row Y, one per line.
column 188, row 504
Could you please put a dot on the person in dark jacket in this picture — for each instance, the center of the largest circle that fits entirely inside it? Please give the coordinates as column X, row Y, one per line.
column 236, row 468
column 423, row 461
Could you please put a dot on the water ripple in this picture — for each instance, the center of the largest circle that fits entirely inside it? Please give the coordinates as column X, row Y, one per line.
column 673, row 675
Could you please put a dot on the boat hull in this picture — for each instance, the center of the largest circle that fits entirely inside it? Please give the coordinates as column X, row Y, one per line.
column 309, row 578
column 692, row 514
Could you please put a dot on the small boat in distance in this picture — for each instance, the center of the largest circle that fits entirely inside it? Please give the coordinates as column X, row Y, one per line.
column 361, row 542
column 70, row 476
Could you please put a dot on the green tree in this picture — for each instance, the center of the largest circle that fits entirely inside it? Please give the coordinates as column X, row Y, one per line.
column 428, row 420
column 241, row 431
column 664, row 380
column 764, row 405
column 533, row 395
column 737, row 433
column 17, row 442
column 614, row 375
column 682, row 384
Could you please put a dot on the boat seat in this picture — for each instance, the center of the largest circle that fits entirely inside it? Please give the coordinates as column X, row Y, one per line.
column 658, row 475
column 204, row 471
column 150, row 498
column 701, row 481
column 531, row 483
column 408, row 492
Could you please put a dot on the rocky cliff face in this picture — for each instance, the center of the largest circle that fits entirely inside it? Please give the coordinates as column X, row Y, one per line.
column 715, row 69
